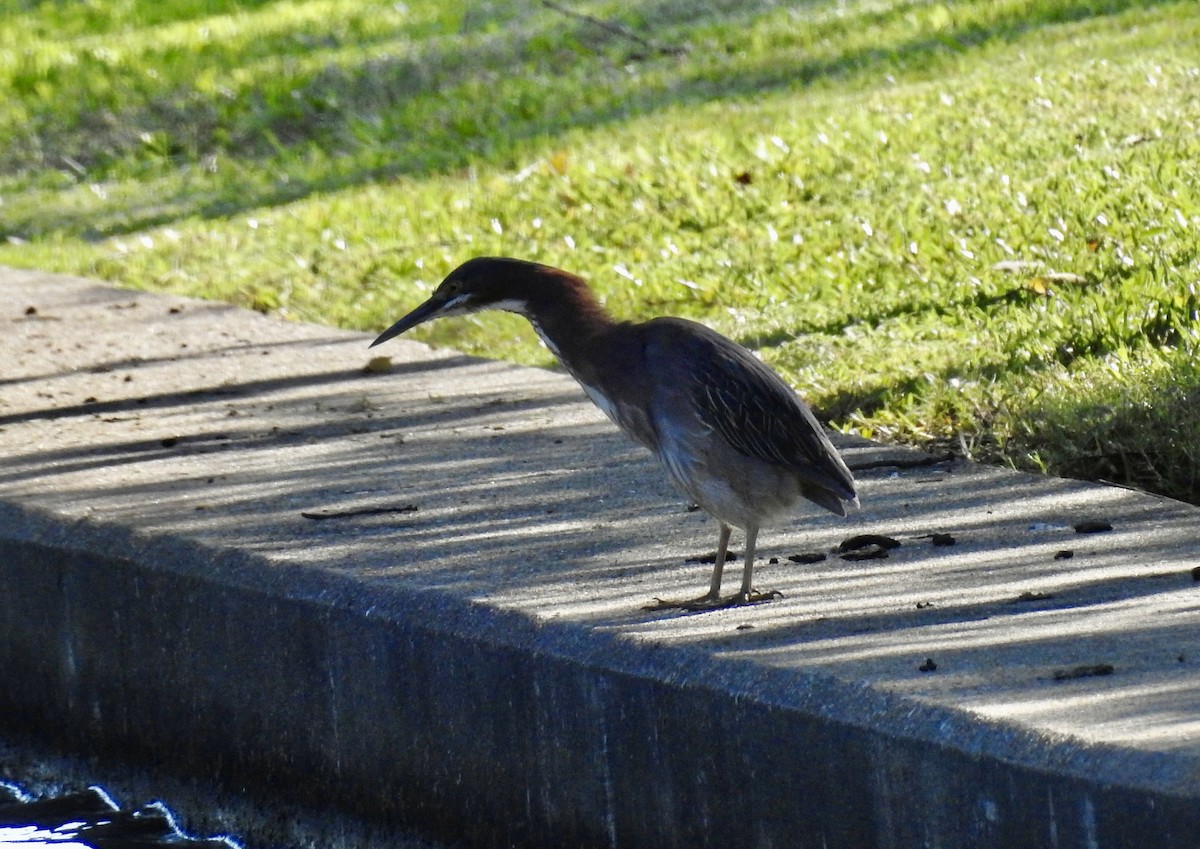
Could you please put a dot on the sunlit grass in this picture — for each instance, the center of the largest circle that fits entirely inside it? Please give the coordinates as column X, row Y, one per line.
column 971, row 225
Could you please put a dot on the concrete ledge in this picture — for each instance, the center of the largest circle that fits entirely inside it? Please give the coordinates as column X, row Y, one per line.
column 476, row 662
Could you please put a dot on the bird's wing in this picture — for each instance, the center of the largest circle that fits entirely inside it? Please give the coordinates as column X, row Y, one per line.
column 749, row 405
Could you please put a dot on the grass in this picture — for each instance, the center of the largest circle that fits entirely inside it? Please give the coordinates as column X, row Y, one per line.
column 968, row 225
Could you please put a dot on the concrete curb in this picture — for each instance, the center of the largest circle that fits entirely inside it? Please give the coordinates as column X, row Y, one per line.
column 480, row 665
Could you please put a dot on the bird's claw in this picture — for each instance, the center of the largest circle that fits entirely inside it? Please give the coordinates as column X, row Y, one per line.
column 708, row 602
column 756, row 597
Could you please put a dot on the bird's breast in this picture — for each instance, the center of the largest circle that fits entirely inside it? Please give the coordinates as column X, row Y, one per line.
column 548, row 341
column 602, row 401
column 628, row 418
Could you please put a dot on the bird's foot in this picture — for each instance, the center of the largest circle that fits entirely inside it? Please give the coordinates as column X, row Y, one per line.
column 705, row 602
column 711, row 602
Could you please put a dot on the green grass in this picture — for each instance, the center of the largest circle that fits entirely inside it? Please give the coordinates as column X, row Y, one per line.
column 835, row 184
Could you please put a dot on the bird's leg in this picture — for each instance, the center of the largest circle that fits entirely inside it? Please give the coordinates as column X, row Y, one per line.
column 714, row 588
column 748, row 567
column 747, row 595
column 713, row 600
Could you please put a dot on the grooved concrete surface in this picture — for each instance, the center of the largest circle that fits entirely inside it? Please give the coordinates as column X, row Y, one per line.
column 417, row 593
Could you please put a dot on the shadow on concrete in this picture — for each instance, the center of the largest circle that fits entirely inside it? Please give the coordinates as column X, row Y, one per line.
column 223, row 392
column 565, row 521
column 170, row 570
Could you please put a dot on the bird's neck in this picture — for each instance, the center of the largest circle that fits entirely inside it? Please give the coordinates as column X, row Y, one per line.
column 574, row 327
column 604, row 355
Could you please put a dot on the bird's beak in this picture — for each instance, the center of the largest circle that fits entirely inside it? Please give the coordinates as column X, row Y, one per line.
column 421, row 314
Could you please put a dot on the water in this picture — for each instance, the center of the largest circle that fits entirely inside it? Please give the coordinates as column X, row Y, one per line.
column 64, row 816
column 90, row 819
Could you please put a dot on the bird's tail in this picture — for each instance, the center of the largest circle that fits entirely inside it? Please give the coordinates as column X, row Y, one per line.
column 834, row 502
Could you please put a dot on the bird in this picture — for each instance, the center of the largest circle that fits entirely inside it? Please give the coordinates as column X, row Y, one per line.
column 731, row 434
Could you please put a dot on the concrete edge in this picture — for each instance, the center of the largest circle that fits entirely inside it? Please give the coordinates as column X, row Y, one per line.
column 852, row 703
column 597, row 681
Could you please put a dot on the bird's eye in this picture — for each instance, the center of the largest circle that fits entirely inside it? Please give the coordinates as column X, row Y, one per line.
column 453, row 287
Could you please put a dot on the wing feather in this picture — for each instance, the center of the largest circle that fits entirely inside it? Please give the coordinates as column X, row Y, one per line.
column 751, row 407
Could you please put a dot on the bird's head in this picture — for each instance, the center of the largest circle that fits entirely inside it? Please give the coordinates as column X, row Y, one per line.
column 494, row 283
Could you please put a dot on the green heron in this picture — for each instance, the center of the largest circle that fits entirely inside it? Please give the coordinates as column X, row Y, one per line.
column 730, row 433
